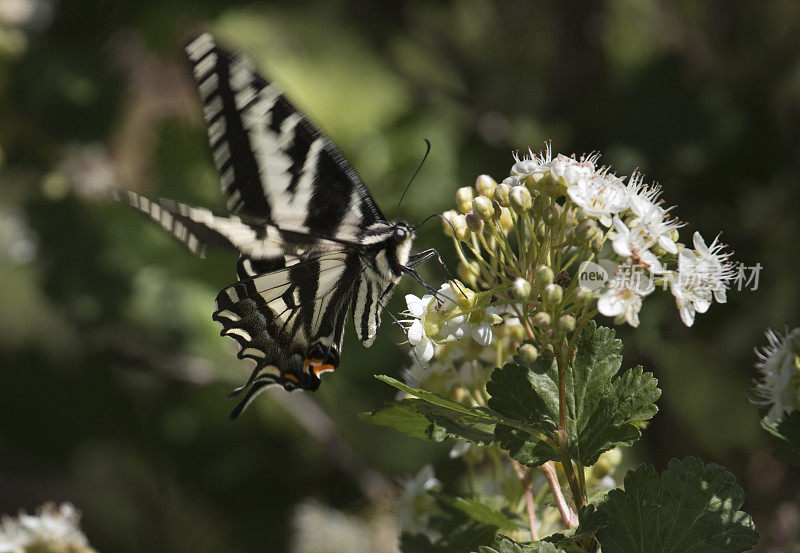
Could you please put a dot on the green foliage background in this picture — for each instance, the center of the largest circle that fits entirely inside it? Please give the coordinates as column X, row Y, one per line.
column 112, row 374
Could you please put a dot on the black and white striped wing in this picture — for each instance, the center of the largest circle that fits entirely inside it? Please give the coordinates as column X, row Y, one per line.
column 262, row 248
column 273, row 163
column 290, row 322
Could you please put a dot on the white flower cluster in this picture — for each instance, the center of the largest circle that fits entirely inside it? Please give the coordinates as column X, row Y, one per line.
column 435, row 321
column 778, row 387
column 643, row 235
column 53, row 528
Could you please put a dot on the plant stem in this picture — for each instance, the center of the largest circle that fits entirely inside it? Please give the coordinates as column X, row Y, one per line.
column 526, row 478
column 549, row 471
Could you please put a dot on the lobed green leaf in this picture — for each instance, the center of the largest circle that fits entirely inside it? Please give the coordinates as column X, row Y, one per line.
column 690, row 508
column 603, row 412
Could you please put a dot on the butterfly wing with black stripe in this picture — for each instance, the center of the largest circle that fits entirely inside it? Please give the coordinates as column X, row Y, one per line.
column 290, row 322
column 273, row 163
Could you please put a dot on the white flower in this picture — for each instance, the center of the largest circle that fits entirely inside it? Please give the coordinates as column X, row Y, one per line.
column 601, row 196
column 570, row 171
column 622, row 298
column 415, row 501
column 532, row 165
column 51, row 526
column 18, row 244
column 703, row 276
column 634, row 243
column 779, row 385
column 644, row 203
column 715, row 264
column 13, row 537
column 417, row 335
column 455, row 328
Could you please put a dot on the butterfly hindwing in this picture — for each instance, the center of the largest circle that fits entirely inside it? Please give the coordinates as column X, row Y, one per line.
column 290, row 321
column 273, row 163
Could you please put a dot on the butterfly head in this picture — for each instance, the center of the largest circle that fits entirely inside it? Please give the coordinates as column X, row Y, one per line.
column 399, row 245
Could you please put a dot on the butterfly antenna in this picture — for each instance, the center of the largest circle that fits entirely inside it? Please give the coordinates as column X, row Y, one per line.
column 421, row 163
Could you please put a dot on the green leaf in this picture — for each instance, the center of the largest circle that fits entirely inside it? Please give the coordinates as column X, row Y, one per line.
column 475, row 424
column 603, row 412
column 482, row 512
column 690, row 508
column 405, row 417
column 787, row 437
column 507, row 545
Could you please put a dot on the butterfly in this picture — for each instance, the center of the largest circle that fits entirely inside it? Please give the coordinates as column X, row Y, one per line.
column 313, row 245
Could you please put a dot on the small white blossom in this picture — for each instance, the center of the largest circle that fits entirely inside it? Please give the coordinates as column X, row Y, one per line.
column 634, row 243
column 533, row 165
column 51, row 526
column 622, row 298
column 18, row 243
column 601, row 196
column 703, row 276
column 570, row 171
column 415, row 501
column 779, row 385
column 417, row 335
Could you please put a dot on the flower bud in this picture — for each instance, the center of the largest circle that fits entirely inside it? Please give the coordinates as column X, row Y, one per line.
column 464, row 194
column 566, row 323
column 461, row 228
column 520, row 199
column 586, row 230
column 580, row 215
column 541, row 320
column 515, row 331
column 464, row 296
column 551, row 215
column 597, row 244
column 474, row 222
column 584, row 298
column 506, row 219
column 527, row 353
column 485, row 185
column 469, row 273
column 520, row 289
column 543, row 276
column 494, row 319
column 511, row 181
column 464, row 207
column 553, row 294
column 501, row 194
column 483, row 208
column 674, row 235
column 447, row 222
column 540, row 230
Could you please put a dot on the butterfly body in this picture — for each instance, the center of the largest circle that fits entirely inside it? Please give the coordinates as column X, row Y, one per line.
column 313, row 244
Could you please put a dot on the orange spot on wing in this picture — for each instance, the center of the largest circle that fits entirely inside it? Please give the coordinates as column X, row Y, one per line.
column 322, row 369
column 293, row 378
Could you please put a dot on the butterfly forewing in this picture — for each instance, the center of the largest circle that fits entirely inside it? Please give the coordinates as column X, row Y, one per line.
column 273, row 163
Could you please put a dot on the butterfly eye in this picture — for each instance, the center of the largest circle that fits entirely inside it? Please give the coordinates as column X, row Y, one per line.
column 400, row 233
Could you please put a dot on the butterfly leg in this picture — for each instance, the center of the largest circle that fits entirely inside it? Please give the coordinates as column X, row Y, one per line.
column 425, row 255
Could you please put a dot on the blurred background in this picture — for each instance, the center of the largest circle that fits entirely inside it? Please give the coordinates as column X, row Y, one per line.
column 112, row 374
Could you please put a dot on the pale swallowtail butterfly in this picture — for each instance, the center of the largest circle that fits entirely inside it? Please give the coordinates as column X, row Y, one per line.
column 313, row 244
